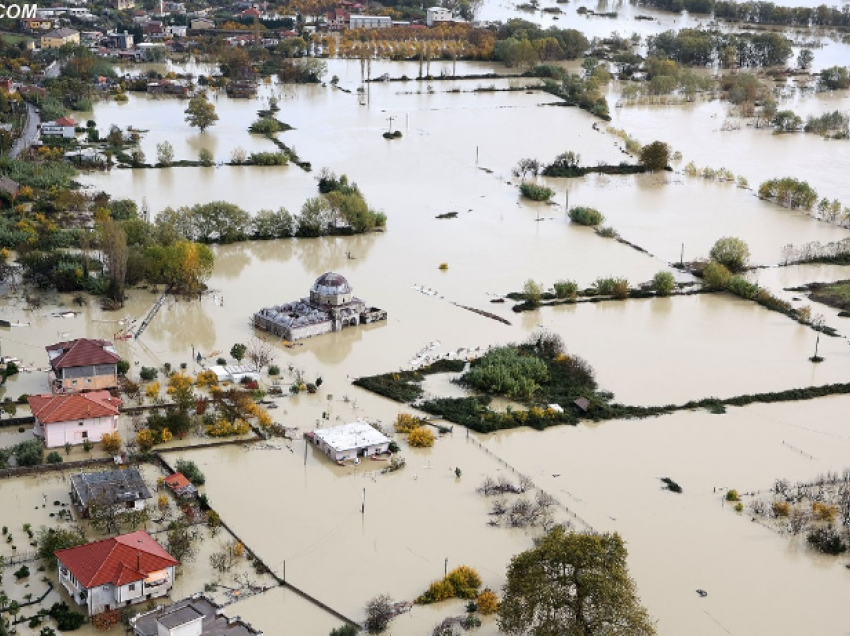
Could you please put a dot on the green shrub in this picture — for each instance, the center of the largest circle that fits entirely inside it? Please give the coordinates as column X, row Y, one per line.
column 586, row 216
column 732, row 495
column 605, row 286
column 508, row 371
column 663, row 283
column 66, row 619
column 731, row 252
column 22, row 572
column 29, row 453
column 268, row 158
column 566, row 289
column 740, row 286
column 190, row 471
column 536, row 192
column 716, row 276
column 827, row 540
column 54, row 458
column 606, row 232
column 345, row 630
column 274, row 370
column 148, row 374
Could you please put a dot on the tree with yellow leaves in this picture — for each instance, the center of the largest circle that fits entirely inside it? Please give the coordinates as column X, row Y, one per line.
column 146, row 439
column 180, row 389
column 421, row 437
column 488, row 602
column 152, row 391
column 111, row 442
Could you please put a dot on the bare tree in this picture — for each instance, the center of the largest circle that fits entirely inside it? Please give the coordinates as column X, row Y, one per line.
column 379, row 613
column 261, row 353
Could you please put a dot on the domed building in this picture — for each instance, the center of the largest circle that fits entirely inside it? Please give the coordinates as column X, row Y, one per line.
column 331, row 306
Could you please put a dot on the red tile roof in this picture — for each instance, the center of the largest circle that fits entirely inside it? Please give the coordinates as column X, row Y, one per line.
column 176, row 481
column 65, row 408
column 65, row 121
column 82, row 353
column 118, row 560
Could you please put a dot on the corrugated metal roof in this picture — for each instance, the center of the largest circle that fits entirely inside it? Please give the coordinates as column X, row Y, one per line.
column 110, row 486
column 49, row 409
column 129, row 557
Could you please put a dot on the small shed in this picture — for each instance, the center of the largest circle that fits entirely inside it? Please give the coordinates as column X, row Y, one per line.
column 180, row 485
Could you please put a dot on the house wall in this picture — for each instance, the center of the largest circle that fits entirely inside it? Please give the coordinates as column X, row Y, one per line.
column 77, row 379
column 56, row 43
column 56, row 434
column 57, row 131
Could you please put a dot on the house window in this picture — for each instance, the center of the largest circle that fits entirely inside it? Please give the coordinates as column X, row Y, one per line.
column 74, row 383
column 85, row 434
column 80, row 424
column 132, row 587
column 88, row 380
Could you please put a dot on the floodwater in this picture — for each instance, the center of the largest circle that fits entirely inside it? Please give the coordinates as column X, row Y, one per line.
column 678, row 543
column 456, row 155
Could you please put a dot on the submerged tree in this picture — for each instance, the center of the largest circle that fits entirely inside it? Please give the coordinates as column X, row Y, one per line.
column 573, row 584
column 200, row 113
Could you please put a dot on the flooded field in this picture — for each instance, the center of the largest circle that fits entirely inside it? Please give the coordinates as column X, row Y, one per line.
column 306, row 517
column 679, row 543
column 414, row 520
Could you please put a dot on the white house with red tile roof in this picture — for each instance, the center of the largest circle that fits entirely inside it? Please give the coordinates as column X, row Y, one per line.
column 83, row 365
column 75, row 418
column 62, row 127
column 116, row 572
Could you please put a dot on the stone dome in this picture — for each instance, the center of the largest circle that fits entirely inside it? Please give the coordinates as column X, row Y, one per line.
column 331, row 284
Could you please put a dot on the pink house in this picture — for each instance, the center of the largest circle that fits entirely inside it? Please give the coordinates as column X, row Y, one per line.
column 61, row 419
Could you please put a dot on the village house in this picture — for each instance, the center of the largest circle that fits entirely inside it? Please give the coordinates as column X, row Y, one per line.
column 176, row 31
column 202, row 24
column 350, row 441
column 437, row 14
column 337, row 19
column 53, row 12
column 122, row 489
column 36, row 25
column 59, row 38
column 180, row 486
column 193, row 616
column 116, row 572
column 62, row 127
column 119, row 40
column 330, row 307
column 370, row 22
column 75, row 418
column 83, row 365
column 121, row 5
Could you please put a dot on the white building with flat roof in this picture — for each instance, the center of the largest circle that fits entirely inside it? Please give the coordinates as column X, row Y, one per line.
column 370, row 22
column 350, row 441
column 437, row 14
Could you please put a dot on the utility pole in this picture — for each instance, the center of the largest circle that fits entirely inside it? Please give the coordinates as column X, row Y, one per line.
column 476, row 155
column 305, row 451
column 363, row 505
column 391, row 123
column 682, row 257
column 446, row 568
column 284, row 571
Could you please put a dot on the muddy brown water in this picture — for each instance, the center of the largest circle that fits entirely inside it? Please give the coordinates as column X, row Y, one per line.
column 646, row 352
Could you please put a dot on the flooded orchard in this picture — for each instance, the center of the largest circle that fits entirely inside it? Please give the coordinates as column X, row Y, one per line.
column 338, row 536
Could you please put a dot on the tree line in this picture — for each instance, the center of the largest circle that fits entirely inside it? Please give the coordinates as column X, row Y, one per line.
column 758, row 12
column 702, row 47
